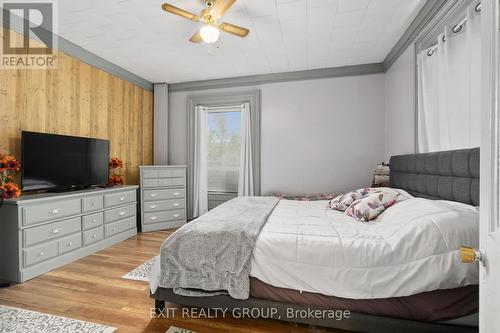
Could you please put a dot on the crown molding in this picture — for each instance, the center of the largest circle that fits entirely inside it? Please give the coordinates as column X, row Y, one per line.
column 255, row 80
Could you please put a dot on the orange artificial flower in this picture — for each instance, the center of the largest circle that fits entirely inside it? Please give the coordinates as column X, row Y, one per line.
column 115, row 180
column 13, row 164
column 10, row 190
column 115, row 163
column 9, row 163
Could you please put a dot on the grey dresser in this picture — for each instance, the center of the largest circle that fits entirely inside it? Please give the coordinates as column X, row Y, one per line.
column 41, row 232
column 163, row 197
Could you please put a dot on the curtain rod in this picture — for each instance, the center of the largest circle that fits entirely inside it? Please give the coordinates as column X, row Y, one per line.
column 456, row 29
column 223, row 107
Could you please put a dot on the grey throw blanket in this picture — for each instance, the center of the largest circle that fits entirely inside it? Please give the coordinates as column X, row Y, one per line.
column 211, row 255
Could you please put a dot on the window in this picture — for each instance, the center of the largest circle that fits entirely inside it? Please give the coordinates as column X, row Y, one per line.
column 223, row 150
column 223, row 165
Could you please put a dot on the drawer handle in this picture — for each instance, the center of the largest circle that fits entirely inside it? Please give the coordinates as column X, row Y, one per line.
column 122, row 198
column 153, row 195
column 153, row 218
column 70, row 244
column 153, row 206
column 55, row 211
column 114, row 229
column 94, row 220
column 56, row 231
column 176, row 193
column 41, row 254
column 94, row 236
column 121, row 213
column 176, row 204
column 176, row 215
column 92, row 203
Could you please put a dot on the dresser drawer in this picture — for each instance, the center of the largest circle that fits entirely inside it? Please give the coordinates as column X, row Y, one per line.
column 153, row 195
column 92, row 236
column 164, row 182
column 150, row 218
column 121, row 198
column 92, row 221
column 164, row 173
column 157, row 206
column 91, row 204
column 150, row 174
column 171, row 173
column 50, row 231
column 39, row 253
column 51, row 211
column 119, row 213
column 70, row 243
column 120, row 226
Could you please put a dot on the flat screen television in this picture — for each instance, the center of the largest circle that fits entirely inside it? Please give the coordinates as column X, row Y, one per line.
column 60, row 162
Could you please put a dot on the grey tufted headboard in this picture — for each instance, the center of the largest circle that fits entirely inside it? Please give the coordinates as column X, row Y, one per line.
column 449, row 175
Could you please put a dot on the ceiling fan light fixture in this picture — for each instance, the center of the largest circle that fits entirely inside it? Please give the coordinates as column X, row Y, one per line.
column 209, row 33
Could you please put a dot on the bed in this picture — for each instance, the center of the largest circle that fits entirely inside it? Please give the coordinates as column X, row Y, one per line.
column 384, row 274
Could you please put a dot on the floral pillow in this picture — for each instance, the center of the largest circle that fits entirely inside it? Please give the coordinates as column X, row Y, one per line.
column 372, row 205
column 343, row 201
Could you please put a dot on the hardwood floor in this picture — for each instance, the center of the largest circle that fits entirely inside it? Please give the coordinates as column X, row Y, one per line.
column 91, row 289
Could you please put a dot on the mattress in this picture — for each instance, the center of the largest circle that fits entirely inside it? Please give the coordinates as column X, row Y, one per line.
column 411, row 248
column 435, row 305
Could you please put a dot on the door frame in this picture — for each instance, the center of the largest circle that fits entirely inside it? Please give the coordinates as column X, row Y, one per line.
column 489, row 238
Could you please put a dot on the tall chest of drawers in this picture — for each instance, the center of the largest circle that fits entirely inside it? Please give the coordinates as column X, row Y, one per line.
column 163, row 197
column 41, row 232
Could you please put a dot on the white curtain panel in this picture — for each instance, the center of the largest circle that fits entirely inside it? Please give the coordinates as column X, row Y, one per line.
column 245, row 184
column 449, row 88
column 200, row 163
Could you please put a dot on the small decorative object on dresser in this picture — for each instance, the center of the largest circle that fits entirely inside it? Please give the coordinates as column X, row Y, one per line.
column 163, row 197
column 381, row 175
column 9, row 166
column 115, row 177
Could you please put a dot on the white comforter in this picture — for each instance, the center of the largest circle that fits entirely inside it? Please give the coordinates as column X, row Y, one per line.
column 411, row 248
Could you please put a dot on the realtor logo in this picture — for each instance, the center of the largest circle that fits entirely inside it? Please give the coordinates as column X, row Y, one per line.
column 30, row 37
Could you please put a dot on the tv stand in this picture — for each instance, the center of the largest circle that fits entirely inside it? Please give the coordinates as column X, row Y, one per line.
column 41, row 232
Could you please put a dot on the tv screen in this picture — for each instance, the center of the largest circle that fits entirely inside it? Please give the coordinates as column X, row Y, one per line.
column 60, row 162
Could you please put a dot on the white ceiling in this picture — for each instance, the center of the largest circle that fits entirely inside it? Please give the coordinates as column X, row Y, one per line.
column 285, row 35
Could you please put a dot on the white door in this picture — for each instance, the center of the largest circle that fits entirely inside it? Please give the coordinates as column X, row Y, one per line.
column 489, row 311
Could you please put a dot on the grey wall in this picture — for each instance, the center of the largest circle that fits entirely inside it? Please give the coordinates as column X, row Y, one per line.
column 317, row 135
column 400, row 105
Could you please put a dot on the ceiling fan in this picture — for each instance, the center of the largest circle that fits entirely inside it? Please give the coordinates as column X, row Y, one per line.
column 209, row 16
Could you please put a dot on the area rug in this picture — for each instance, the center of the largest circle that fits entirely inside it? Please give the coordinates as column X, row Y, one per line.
column 174, row 329
column 14, row 320
column 143, row 272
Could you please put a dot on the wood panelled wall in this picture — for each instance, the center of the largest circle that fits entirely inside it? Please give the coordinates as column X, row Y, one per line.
column 78, row 99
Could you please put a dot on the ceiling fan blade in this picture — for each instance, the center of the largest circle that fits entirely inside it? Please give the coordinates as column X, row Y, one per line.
column 222, row 6
column 196, row 38
column 178, row 11
column 234, row 29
